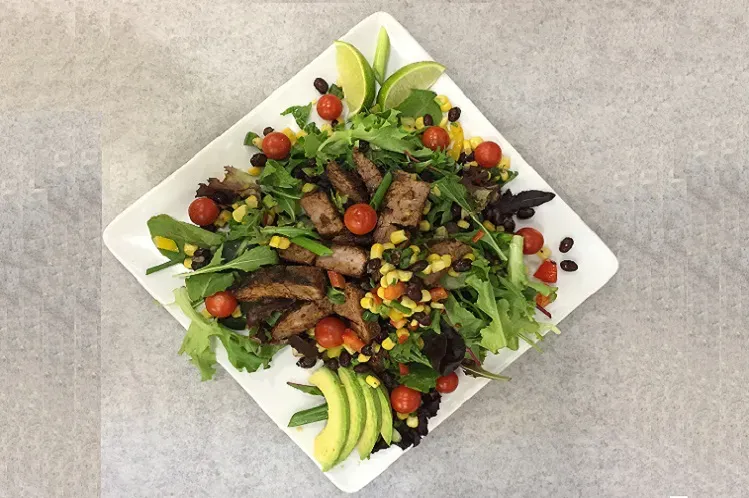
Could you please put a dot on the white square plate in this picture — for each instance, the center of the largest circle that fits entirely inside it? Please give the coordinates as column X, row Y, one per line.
column 128, row 239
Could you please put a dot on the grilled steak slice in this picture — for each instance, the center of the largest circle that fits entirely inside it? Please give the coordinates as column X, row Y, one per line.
column 349, row 239
column 291, row 282
column 258, row 311
column 346, row 260
column 384, row 228
column 323, row 214
column 347, row 182
column 301, row 318
column 368, row 171
column 297, row 254
column 454, row 248
column 405, row 199
column 352, row 310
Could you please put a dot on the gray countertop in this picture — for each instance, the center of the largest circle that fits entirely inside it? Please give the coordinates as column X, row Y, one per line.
column 635, row 112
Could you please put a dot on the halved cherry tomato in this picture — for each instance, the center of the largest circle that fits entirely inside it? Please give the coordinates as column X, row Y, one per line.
column 533, row 241
column 329, row 107
column 360, row 219
column 394, row 291
column 203, row 211
column 478, row 236
column 403, row 368
column 221, row 304
column 276, row 145
column 402, row 339
column 487, row 154
column 405, row 400
column 447, row 383
column 435, row 138
column 547, row 272
column 352, row 340
column 336, row 279
column 377, row 299
column 542, row 300
column 438, row 294
column 329, row 332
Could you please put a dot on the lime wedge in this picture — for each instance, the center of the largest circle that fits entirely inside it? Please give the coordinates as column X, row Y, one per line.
column 356, row 77
column 382, row 52
column 419, row 75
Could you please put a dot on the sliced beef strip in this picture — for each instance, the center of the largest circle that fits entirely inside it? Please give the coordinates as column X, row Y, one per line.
column 349, row 239
column 351, row 309
column 297, row 254
column 258, row 311
column 323, row 214
column 454, row 248
column 302, row 317
column 346, row 260
column 291, row 282
column 347, row 182
column 404, row 200
column 385, row 227
column 368, row 171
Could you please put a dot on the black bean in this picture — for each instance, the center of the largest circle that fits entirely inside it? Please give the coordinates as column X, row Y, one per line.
column 456, row 211
column 388, row 379
column 321, row 85
column 363, row 146
column 332, row 364
column 373, row 265
column 344, row 359
column 493, row 214
column 200, row 258
column 259, row 159
column 566, row 244
column 452, row 227
column 362, row 368
column 462, row 265
column 222, row 198
column 462, row 158
column 568, row 265
column 367, row 350
column 413, row 290
column 210, row 228
column 418, row 266
column 365, row 285
column 470, row 157
column 525, row 213
column 422, row 318
column 306, row 362
column 395, row 256
column 428, row 120
column 509, row 224
column 267, row 130
column 453, row 114
column 334, row 123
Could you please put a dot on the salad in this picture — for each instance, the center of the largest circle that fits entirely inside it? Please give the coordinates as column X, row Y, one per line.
column 378, row 242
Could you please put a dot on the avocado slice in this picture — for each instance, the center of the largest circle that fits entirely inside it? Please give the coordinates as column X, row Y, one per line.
column 373, row 423
column 357, row 410
column 330, row 441
column 387, row 414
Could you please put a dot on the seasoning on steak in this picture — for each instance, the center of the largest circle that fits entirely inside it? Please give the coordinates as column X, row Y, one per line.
column 349, row 239
column 258, row 311
column 302, row 317
column 403, row 205
column 351, row 309
column 368, row 171
column 346, row 260
column 291, row 282
column 297, row 254
column 384, row 228
column 323, row 214
column 347, row 182
column 454, row 248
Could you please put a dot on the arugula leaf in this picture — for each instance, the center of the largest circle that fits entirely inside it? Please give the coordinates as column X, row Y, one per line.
column 313, row 390
column 199, row 286
column 336, row 296
column 251, row 135
column 290, row 232
column 409, row 352
column 284, row 188
column 421, row 103
column 300, row 113
column 249, row 261
column 420, row 377
column 336, row 90
column 311, row 144
column 182, row 233
column 493, row 335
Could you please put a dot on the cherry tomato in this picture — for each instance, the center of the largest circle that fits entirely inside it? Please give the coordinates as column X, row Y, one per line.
column 329, row 332
column 435, row 138
column 533, row 241
column 405, row 400
column 542, row 300
column 403, row 369
column 221, row 304
column 336, row 279
column 276, row 145
column 203, row 211
column 360, row 219
column 447, row 383
column 329, row 107
column 487, row 154
column 352, row 340
column 547, row 272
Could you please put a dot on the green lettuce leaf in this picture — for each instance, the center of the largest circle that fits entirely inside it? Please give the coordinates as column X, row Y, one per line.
column 420, row 377
column 249, row 261
column 200, row 286
column 492, row 335
column 182, row 233
column 300, row 112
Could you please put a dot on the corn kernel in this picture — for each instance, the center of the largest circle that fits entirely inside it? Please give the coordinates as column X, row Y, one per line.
column 438, row 266
column 388, row 344
column 414, row 249
column 401, row 332
column 467, row 147
column 442, row 99
column 408, row 302
column 187, row 263
column 424, row 226
column 206, row 314
column 400, row 323
column 544, row 253
column 419, row 124
column 395, row 315
column 504, row 175
column 443, row 121
column 284, row 243
column 375, row 252
column 414, row 259
column 384, row 282
column 301, row 133
column 404, row 275
column 257, row 142
column 420, row 343
column 335, row 352
column 433, row 257
column 398, row 236
column 362, row 358
column 476, row 141
column 436, row 190
column 472, row 164
column 489, row 225
column 349, row 349
column 240, row 213
column 366, row 303
column 412, row 421
column 441, row 232
column 235, row 205
column 326, row 128
column 402, row 416
column 165, row 244
column 373, row 381
column 464, row 224
column 381, row 293
column 414, row 324
column 320, row 349
column 420, row 308
column 408, row 128
column 447, row 259
column 427, row 270
column 311, row 332
column 425, row 296
column 427, row 208
column 504, row 163
column 376, row 347
column 407, row 121
column 251, row 202
column 237, row 312
column 289, row 133
column 470, row 256
column 190, row 249
column 386, row 268
column 275, row 241
column 308, row 187
column 438, row 306
column 453, row 273
column 388, row 245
